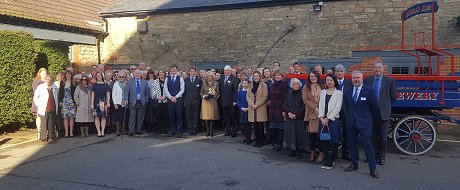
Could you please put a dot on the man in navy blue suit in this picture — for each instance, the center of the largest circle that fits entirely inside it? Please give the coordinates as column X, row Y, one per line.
column 360, row 107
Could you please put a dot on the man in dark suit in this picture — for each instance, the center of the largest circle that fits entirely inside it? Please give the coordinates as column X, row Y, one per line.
column 228, row 87
column 192, row 100
column 385, row 89
column 360, row 107
column 344, row 84
column 136, row 96
column 174, row 88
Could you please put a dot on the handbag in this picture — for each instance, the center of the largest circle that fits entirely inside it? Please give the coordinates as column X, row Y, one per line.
column 323, row 136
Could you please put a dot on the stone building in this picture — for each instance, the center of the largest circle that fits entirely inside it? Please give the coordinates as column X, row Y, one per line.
column 210, row 34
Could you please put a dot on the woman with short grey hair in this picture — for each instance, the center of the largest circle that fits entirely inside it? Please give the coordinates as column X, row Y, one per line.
column 294, row 112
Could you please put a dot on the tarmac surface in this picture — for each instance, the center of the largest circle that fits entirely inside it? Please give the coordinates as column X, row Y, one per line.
column 157, row 162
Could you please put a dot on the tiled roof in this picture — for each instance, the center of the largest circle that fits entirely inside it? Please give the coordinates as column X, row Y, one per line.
column 73, row 13
column 127, row 7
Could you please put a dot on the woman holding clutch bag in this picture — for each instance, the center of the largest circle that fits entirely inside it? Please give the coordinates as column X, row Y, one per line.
column 209, row 108
column 99, row 101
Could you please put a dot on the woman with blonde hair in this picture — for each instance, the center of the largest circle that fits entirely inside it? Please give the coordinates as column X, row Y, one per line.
column 39, row 79
column 257, row 103
column 209, row 108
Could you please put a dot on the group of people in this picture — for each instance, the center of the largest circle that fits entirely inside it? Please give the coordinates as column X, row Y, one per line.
column 319, row 113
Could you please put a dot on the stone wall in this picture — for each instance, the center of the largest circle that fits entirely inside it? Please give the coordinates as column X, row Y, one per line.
column 249, row 36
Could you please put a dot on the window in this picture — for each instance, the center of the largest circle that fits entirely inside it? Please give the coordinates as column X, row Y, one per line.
column 423, row 71
column 399, row 70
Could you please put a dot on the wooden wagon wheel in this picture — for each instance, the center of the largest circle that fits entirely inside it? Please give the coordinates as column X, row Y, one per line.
column 414, row 135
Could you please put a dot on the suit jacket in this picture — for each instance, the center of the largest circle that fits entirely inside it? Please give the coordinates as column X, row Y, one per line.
column 130, row 92
column 364, row 111
column 228, row 91
column 387, row 95
column 192, row 92
column 346, row 85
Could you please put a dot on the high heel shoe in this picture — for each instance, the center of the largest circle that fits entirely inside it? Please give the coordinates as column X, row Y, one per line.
column 312, row 156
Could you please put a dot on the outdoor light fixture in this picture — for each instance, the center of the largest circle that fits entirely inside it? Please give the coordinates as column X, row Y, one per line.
column 317, row 7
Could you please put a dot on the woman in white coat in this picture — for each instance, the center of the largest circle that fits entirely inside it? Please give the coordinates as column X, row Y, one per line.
column 330, row 103
column 46, row 100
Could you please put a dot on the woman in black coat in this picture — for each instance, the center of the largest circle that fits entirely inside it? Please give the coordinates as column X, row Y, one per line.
column 294, row 112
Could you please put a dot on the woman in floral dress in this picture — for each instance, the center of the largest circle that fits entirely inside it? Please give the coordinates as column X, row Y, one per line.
column 67, row 103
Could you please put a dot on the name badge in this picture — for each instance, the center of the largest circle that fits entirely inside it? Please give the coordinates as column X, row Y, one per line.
column 228, row 82
column 363, row 98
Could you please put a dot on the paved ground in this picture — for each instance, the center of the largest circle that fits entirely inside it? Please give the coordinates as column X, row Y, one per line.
column 156, row 162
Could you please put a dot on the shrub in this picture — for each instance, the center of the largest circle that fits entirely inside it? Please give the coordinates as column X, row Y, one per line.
column 56, row 53
column 17, row 68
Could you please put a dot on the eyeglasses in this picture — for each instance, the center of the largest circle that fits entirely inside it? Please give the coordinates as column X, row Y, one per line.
column 121, row 77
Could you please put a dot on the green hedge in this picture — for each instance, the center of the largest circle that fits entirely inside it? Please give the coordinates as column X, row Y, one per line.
column 17, row 69
column 56, row 52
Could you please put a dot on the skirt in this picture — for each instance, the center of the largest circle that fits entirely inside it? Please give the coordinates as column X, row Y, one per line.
column 119, row 114
column 277, row 125
column 294, row 134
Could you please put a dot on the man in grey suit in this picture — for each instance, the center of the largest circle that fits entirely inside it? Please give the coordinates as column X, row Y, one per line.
column 385, row 90
column 192, row 100
column 136, row 96
column 344, row 84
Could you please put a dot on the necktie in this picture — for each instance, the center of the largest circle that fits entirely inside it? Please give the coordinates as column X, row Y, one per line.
column 340, row 85
column 377, row 87
column 355, row 95
column 174, row 79
column 138, row 87
column 193, row 79
column 226, row 78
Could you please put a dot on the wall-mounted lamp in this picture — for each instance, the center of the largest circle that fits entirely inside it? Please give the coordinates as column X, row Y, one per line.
column 317, row 7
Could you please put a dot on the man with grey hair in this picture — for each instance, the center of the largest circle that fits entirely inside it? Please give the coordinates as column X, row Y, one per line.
column 136, row 95
column 228, row 87
column 360, row 107
column 385, row 89
column 344, row 84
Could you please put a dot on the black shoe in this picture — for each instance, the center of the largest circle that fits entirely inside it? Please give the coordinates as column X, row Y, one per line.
column 227, row 134
column 350, row 168
column 381, row 162
column 139, row 133
column 234, row 135
column 259, row 145
column 245, row 140
column 292, row 154
column 374, row 174
column 131, row 134
column 248, row 142
column 365, row 161
column 170, row 134
column 255, row 145
column 179, row 135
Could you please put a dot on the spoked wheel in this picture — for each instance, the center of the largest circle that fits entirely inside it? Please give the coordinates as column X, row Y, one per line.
column 414, row 135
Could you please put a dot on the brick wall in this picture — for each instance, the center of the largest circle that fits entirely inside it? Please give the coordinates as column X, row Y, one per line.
column 247, row 35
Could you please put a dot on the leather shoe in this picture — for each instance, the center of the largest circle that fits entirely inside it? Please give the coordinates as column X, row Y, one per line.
column 350, row 168
column 139, row 133
column 381, row 162
column 234, row 135
column 130, row 134
column 374, row 174
column 227, row 134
